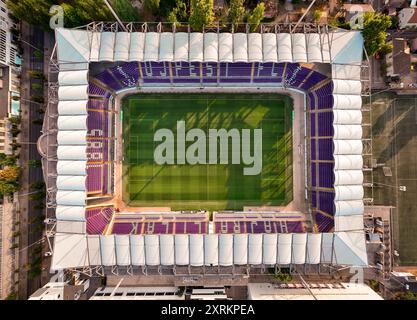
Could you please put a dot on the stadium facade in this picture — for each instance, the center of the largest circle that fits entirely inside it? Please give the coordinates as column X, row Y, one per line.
column 80, row 136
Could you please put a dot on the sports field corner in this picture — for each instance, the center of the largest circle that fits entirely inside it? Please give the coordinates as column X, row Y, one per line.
column 207, row 186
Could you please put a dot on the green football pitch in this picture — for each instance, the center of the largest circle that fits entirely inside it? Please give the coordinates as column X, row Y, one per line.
column 206, row 186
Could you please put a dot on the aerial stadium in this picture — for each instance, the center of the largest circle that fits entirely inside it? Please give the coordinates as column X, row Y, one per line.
column 120, row 201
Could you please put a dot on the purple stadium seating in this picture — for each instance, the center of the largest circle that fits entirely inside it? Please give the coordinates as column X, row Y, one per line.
column 97, row 219
column 316, row 85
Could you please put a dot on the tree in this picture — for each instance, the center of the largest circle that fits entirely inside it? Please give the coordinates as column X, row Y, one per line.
column 178, row 14
column 201, row 13
column 125, row 10
column 9, row 174
column 236, row 11
column 316, row 15
column 35, row 163
column 8, row 188
column 153, row 6
column 35, row 12
column 374, row 32
column 15, row 120
column 6, row 160
column 172, row 17
column 255, row 18
column 38, row 185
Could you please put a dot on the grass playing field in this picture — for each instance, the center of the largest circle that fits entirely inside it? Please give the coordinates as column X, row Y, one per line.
column 206, row 186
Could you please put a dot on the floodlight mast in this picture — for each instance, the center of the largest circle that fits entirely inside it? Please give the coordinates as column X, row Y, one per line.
column 115, row 15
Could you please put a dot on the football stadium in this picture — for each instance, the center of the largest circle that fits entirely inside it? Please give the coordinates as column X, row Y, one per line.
column 175, row 151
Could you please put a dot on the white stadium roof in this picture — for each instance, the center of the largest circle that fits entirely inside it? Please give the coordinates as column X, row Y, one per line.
column 77, row 48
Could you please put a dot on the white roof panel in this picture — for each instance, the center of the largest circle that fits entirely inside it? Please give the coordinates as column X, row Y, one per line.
column 299, row 241
column 347, row 87
column 211, row 47
column 95, row 46
column 72, row 123
column 345, row 71
column 350, row 249
column 72, row 167
column 166, row 246
column 349, row 117
column 284, row 248
column 72, row 138
column 255, row 248
column 107, row 249
column 347, row 147
column 348, row 102
column 348, row 177
column 121, row 52
column 225, row 47
column 225, row 249
column 73, row 78
column 122, row 249
column 107, row 46
column 284, row 45
column 351, row 207
column 70, row 251
column 196, row 249
column 70, row 198
column 196, row 47
column 166, row 46
column 299, row 50
column 70, row 213
column 72, row 45
column 93, row 250
column 314, row 47
column 211, row 249
column 71, row 153
column 326, row 248
column 151, row 46
column 347, row 132
column 137, row 249
column 94, row 255
column 152, row 250
column 73, row 92
column 313, row 248
column 255, row 47
column 181, row 46
column 348, row 223
column 348, row 162
column 182, row 250
column 137, row 46
column 71, row 183
column 348, row 192
column 240, row 249
column 269, row 248
column 63, row 226
column 72, row 108
column 240, row 47
column 269, row 48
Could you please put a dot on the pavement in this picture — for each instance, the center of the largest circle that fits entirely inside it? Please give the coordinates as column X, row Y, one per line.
column 29, row 135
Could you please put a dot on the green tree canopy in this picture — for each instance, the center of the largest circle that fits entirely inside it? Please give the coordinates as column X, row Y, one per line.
column 178, row 14
column 374, row 32
column 153, row 5
column 201, row 13
column 255, row 18
column 236, row 11
column 76, row 12
column 35, row 12
column 125, row 10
